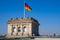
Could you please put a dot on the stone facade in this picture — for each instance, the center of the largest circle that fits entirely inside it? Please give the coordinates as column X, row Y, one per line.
column 22, row 27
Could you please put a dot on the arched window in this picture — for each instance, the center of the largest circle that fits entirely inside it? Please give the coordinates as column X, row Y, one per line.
column 19, row 29
column 14, row 29
column 24, row 29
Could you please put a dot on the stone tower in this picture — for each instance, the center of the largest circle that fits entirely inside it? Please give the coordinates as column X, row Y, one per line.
column 23, row 27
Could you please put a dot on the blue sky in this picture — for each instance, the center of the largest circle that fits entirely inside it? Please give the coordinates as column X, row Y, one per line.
column 47, row 12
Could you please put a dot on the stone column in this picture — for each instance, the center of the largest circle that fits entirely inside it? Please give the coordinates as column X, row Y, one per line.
column 9, row 30
column 22, row 30
column 16, row 30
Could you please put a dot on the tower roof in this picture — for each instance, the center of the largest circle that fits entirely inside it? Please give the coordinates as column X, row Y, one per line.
column 14, row 20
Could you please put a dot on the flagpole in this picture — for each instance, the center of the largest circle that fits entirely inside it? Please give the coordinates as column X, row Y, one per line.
column 24, row 9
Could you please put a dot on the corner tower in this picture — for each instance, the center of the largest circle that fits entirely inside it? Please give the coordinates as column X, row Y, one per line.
column 23, row 27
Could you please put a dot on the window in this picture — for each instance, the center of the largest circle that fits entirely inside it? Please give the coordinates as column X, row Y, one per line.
column 14, row 29
column 24, row 29
column 19, row 29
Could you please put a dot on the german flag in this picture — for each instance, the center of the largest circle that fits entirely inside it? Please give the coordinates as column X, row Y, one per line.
column 27, row 7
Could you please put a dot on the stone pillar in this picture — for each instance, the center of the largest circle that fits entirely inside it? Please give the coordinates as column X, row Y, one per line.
column 9, row 30
column 22, row 29
column 16, row 30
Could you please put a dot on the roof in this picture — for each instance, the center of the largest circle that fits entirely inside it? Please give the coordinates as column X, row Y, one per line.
column 22, row 20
